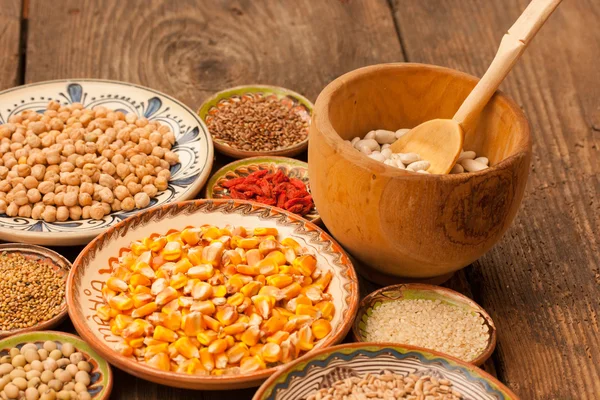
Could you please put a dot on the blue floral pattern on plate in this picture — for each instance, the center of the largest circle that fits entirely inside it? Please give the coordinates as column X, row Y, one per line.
column 193, row 145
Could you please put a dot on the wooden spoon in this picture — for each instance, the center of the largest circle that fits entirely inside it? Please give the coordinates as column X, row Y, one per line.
column 440, row 141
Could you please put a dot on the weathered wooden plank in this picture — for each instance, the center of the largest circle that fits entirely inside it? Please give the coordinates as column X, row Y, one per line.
column 191, row 49
column 10, row 33
column 541, row 284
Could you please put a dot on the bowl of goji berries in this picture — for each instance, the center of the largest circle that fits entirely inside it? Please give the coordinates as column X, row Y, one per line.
column 276, row 181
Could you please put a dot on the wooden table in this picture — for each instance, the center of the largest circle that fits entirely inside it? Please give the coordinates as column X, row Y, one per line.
column 541, row 283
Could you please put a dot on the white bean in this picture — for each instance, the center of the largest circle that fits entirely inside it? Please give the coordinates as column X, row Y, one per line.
column 364, row 149
column 387, row 153
column 383, row 136
column 370, row 135
column 466, row 155
column 371, row 143
column 356, row 139
column 418, row 165
column 401, row 132
column 389, row 162
column 483, row 160
column 457, row 169
column 377, row 157
column 385, row 146
column 400, row 164
column 408, row 158
column 422, row 171
column 472, row 165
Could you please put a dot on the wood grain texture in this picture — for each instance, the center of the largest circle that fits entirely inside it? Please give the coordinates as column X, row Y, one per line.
column 10, row 32
column 541, row 284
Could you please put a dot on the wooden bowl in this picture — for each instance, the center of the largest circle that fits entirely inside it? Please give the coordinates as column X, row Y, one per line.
column 59, row 264
column 289, row 166
column 425, row 292
column 320, row 369
column 300, row 104
column 101, row 381
column 96, row 261
column 405, row 224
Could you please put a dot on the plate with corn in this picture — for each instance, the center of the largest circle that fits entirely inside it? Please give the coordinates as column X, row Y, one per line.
column 211, row 294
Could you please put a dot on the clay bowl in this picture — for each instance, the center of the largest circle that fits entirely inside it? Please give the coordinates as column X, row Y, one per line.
column 319, row 370
column 297, row 103
column 415, row 291
column 61, row 265
column 94, row 264
column 291, row 167
column 101, row 381
column 399, row 223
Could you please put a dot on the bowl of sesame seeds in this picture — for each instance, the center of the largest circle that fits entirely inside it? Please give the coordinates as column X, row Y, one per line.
column 258, row 120
column 32, row 288
column 427, row 316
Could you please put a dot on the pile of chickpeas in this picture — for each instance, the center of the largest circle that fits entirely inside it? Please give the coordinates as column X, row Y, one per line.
column 70, row 162
column 47, row 372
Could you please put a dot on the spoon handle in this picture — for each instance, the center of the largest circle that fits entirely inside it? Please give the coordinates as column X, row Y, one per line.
column 511, row 47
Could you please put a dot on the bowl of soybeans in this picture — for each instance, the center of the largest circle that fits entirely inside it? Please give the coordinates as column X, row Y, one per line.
column 52, row 366
column 381, row 371
column 423, row 226
column 258, row 120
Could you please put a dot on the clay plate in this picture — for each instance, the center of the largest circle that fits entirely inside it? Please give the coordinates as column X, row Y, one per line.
column 427, row 292
column 94, row 264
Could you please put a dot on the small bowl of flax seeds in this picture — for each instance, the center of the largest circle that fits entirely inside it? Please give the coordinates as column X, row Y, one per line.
column 258, row 120
column 32, row 288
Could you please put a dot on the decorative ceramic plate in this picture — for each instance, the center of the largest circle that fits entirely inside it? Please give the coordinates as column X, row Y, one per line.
column 61, row 265
column 289, row 166
column 101, row 375
column 322, row 368
column 193, row 145
column 413, row 291
column 96, row 261
column 298, row 103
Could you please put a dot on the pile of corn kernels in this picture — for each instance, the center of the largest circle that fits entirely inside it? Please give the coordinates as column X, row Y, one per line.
column 217, row 301
column 71, row 162
column 376, row 144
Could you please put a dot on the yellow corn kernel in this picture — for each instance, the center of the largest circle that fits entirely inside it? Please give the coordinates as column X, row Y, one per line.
column 291, row 291
column 237, row 352
column 192, row 323
column 303, row 309
column 324, row 280
column 261, row 278
column 191, row 236
column 282, row 313
column 218, row 346
column 255, row 319
column 251, row 364
column 219, row 291
column 272, row 325
column 132, row 331
column 289, row 253
column 202, row 291
column 190, row 366
column 172, row 351
column 136, row 343
column 107, row 293
column 171, row 306
column 231, row 257
column 178, row 280
column 114, row 329
column 253, row 257
column 288, row 351
column 321, row 328
column 122, row 321
column 278, row 256
column 285, row 269
column 124, row 349
column 305, row 338
column 166, row 295
column 165, row 334
column 174, row 236
column 226, row 315
column 265, row 231
column 278, row 337
column 158, row 244
column 313, row 292
column 138, row 248
column 236, row 299
column 211, row 233
column 172, row 251
column 264, row 304
column 185, row 347
column 141, row 289
column 235, row 328
column 256, row 350
column 268, row 266
column 211, row 323
column 207, row 359
column 245, row 304
column 280, row 280
column 271, row 291
column 172, row 320
column 247, row 270
column 202, row 271
column 121, row 302
column 185, row 301
column 116, row 284
column 251, row 288
column 289, row 242
column 221, row 361
column 195, row 255
column 248, row 243
column 103, row 312
column 271, row 352
column 206, row 307
column 153, row 350
column 182, row 266
column 147, row 272
column 114, row 312
column 251, row 336
column 267, row 245
column 234, row 284
column 206, row 337
column 144, row 310
column 327, row 309
column 305, row 264
column 212, row 253
column 160, row 361
column 139, row 279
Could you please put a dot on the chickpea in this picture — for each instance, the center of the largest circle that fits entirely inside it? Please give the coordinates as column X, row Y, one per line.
column 123, row 170
column 48, row 199
column 62, row 213
column 121, row 192
column 66, row 166
column 30, row 182
column 3, row 206
column 128, row 204
column 133, row 187
column 97, row 211
column 161, row 183
column 70, row 199
column 150, row 190
column 37, row 172
column 37, row 211
column 20, row 198
column 5, row 185
column 45, row 187
column 171, row 157
column 106, row 195
column 11, row 390
column 141, row 171
column 141, row 200
column 53, row 158
column 85, row 212
column 147, row 180
column 9, row 163
column 118, row 159
column 25, row 211
column 72, row 179
column 85, row 199
column 49, row 215
column 155, row 139
column 107, row 181
column 164, row 164
column 109, row 168
column 34, row 195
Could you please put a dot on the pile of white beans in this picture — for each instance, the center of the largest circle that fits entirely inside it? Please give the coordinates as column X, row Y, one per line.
column 376, row 144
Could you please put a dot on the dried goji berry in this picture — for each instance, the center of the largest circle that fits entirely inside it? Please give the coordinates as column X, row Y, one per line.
column 233, row 182
column 237, row 195
column 298, row 183
column 258, row 174
column 296, row 208
column 281, row 200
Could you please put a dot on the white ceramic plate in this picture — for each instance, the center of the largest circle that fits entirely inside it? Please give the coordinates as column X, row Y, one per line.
column 193, row 145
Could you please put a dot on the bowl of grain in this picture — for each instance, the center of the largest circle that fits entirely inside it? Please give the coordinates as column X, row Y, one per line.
column 381, row 371
column 258, row 120
column 32, row 288
column 427, row 316
column 422, row 225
